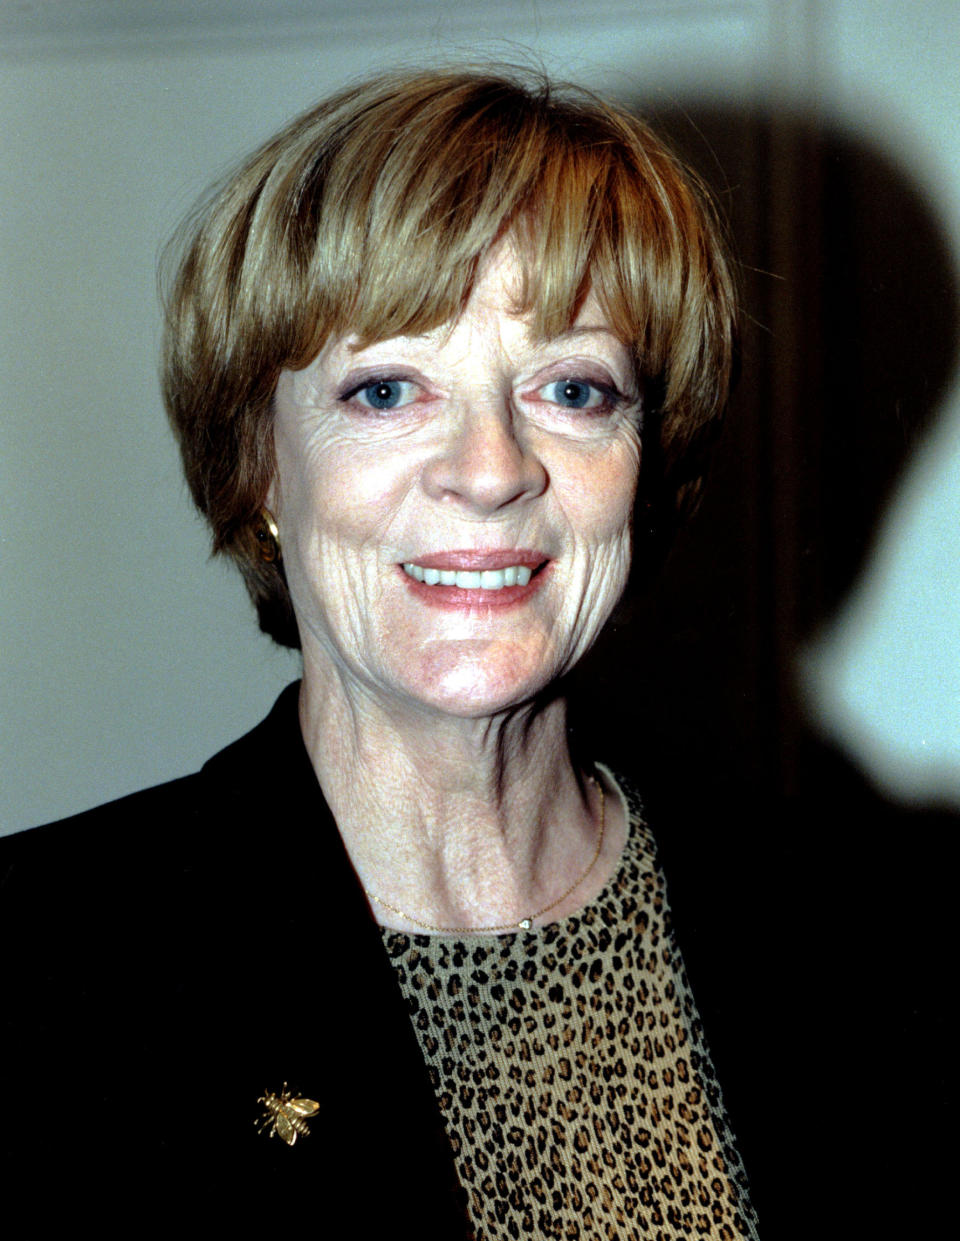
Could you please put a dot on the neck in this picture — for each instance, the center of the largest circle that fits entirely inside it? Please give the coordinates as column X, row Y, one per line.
column 464, row 823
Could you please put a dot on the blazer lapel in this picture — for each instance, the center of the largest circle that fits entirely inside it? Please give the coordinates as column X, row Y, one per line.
column 310, row 1000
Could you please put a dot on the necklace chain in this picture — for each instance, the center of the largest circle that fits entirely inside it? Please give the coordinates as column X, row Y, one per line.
column 524, row 924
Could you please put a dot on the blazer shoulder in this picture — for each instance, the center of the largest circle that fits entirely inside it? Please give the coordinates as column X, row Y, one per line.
column 92, row 850
column 171, row 824
column 143, row 806
column 236, row 768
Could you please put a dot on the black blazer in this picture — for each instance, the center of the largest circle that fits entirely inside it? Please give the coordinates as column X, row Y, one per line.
column 168, row 958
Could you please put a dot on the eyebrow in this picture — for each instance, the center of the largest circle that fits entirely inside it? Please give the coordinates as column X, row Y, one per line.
column 588, row 330
column 354, row 346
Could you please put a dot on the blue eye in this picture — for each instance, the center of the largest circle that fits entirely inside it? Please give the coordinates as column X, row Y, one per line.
column 384, row 394
column 574, row 394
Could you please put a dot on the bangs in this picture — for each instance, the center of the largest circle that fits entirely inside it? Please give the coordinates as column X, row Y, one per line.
column 397, row 219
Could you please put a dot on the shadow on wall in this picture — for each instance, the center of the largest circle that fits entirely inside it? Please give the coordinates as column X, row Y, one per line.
column 814, row 917
column 850, row 332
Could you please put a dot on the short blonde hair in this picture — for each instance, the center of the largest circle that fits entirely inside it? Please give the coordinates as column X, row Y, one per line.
column 371, row 214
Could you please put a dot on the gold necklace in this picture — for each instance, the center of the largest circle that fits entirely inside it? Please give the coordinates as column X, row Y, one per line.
column 525, row 923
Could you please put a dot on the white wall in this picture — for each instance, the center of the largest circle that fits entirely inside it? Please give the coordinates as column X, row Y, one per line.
column 125, row 657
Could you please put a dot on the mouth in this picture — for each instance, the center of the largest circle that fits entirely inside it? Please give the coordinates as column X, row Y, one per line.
column 469, row 578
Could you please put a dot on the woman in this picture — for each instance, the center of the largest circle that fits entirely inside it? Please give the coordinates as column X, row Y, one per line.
column 417, row 349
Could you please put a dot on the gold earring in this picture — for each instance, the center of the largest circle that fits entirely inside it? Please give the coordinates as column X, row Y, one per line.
column 267, row 536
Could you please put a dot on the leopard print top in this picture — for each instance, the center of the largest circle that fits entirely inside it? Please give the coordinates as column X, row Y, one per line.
column 572, row 1074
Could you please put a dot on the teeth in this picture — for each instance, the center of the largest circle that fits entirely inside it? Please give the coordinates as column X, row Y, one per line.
column 470, row 579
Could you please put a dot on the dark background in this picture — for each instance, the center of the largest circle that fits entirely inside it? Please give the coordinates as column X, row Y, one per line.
column 816, row 918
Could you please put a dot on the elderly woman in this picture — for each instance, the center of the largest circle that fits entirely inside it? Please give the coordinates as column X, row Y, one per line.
column 396, row 961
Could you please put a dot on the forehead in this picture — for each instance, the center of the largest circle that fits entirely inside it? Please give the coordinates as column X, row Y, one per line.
column 495, row 306
column 500, row 282
column 501, row 287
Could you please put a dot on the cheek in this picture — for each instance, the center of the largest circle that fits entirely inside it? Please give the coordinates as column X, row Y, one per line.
column 600, row 501
column 341, row 495
column 363, row 500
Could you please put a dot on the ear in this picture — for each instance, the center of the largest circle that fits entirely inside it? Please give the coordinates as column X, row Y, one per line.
column 267, row 537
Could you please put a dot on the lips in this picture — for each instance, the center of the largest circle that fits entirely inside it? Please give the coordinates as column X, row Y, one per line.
column 470, row 576
column 471, row 579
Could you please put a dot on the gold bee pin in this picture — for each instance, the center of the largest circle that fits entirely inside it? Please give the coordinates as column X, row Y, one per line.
column 284, row 1113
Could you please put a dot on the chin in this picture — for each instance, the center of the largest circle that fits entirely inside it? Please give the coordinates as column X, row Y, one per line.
column 475, row 684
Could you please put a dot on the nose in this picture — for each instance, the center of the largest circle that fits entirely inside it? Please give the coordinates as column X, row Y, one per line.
column 484, row 463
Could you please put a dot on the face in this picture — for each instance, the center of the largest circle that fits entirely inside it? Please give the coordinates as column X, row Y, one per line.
column 454, row 508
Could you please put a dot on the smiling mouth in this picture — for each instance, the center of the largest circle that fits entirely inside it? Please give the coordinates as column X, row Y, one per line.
column 471, row 579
